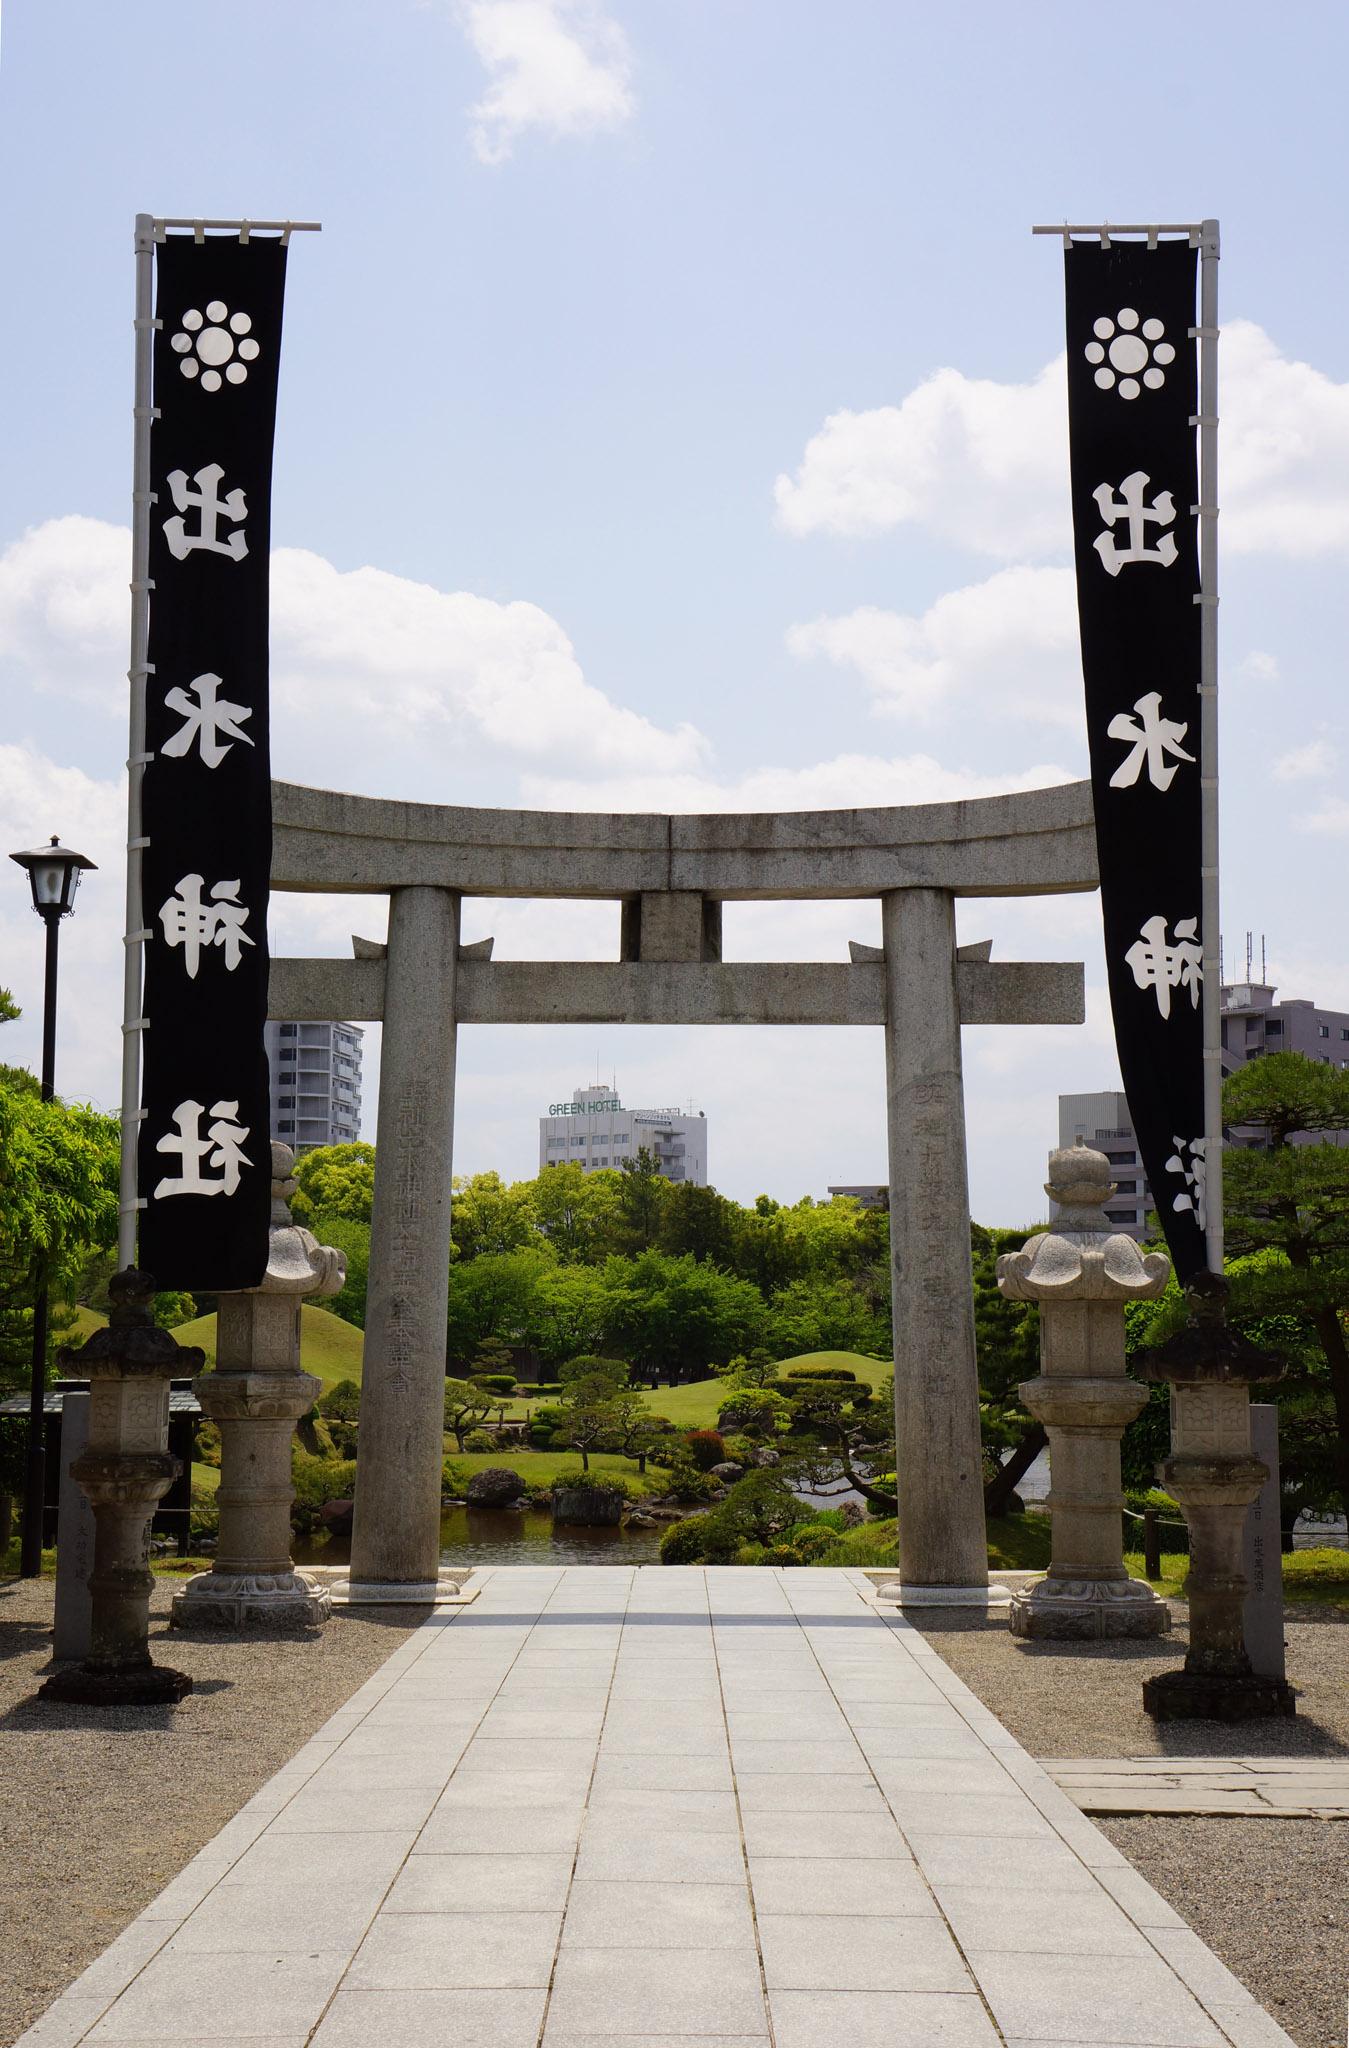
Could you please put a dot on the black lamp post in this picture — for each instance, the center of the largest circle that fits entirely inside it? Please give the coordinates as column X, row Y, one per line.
column 54, row 876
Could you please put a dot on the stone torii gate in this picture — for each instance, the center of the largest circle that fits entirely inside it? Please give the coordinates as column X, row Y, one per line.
column 671, row 875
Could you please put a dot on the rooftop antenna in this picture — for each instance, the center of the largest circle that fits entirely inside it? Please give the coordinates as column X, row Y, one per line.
column 1249, row 953
column 1263, row 973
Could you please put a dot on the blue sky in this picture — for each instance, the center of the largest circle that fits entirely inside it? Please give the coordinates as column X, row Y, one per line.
column 593, row 279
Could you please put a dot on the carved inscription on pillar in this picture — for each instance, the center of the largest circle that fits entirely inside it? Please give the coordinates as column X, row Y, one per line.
column 409, row 1200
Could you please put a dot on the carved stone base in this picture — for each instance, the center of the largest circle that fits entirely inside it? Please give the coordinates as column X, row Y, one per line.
column 237, row 1601
column 447, row 1589
column 118, row 1685
column 983, row 1598
column 1088, row 1610
column 1214, row 1696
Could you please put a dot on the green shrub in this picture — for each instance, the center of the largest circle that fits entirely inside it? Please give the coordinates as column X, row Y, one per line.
column 782, row 1553
column 342, row 1436
column 706, row 1447
column 206, row 1450
column 872, row 1545
column 821, row 1372
column 480, row 1440
column 494, row 1382
column 687, row 1483
column 1316, row 1568
column 814, row 1543
column 342, row 1401
column 543, row 1387
column 682, row 1542
column 316, row 1482
column 205, row 1516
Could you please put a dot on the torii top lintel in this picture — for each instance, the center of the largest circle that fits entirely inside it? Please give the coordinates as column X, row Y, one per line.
column 1027, row 843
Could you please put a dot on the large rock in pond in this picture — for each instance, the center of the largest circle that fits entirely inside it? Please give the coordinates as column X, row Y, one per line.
column 591, row 1507
column 496, row 1486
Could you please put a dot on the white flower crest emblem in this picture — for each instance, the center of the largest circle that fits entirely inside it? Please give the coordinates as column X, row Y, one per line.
column 1131, row 353
column 214, row 345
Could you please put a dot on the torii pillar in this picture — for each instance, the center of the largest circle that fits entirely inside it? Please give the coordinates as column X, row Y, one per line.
column 943, row 1543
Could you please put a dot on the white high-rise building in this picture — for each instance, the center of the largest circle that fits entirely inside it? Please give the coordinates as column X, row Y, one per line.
column 316, row 1083
column 594, row 1130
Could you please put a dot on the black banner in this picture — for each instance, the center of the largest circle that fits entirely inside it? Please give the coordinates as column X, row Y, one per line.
column 205, row 1151
column 1132, row 397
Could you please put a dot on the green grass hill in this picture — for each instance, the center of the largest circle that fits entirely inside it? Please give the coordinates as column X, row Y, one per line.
column 329, row 1348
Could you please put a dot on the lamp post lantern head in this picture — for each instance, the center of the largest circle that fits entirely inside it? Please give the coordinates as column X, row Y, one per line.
column 53, row 876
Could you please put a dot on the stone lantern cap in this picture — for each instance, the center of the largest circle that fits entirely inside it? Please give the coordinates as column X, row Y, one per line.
column 1083, row 1257
column 296, row 1262
column 1208, row 1350
column 132, row 1346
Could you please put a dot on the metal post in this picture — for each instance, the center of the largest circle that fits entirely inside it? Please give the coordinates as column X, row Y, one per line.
column 35, row 1474
column 132, row 1021
column 1209, row 252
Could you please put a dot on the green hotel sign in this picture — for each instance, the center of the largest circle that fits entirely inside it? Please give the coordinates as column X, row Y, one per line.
column 584, row 1108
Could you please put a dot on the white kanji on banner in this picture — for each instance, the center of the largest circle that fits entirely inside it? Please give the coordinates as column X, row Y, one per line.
column 205, row 721
column 212, row 508
column 194, row 925
column 1151, row 739
column 1128, row 350
column 1137, row 515
column 215, row 342
column 221, row 1150
column 1193, row 1172
column 1161, row 965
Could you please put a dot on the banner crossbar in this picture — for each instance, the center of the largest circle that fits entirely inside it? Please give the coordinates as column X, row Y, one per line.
column 242, row 228
column 1109, row 230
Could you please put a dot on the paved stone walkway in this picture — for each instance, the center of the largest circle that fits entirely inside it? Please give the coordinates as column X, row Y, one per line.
column 1298, row 1787
column 653, row 1808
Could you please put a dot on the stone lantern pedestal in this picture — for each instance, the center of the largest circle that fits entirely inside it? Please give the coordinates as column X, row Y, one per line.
column 124, row 1469
column 255, row 1396
column 1214, row 1474
column 1081, row 1273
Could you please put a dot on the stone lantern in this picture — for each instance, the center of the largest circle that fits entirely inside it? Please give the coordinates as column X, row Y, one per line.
column 256, row 1395
column 1215, row 1475
column 124, row 1469
column 1081, row 1273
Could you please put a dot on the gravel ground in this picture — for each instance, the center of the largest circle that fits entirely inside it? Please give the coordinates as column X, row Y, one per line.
column 1271, row 1897
column 101, row 1809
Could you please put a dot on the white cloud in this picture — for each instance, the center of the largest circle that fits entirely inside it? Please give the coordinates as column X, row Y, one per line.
column 357, row 657
column 980, row 463
column 1331, row 821
column 985, row 464
column 383, row 647
column 1307, row 764
column 64, row 608
column 37, row 798
column 1011, row 641
column 846, row 781
column 560, row 66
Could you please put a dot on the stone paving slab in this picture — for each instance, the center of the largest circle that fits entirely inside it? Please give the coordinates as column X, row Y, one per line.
column 656, row 1808
column 1289, row 1787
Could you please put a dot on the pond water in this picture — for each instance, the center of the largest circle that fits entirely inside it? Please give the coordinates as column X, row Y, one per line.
column 511, row 1536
